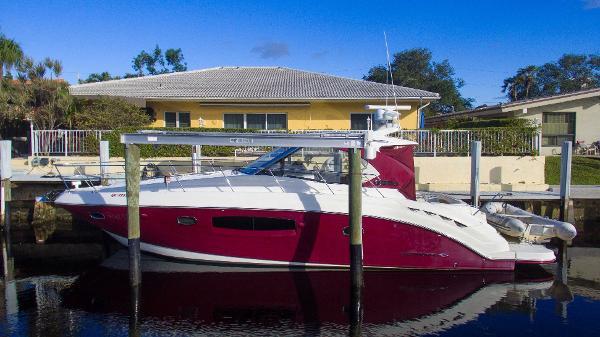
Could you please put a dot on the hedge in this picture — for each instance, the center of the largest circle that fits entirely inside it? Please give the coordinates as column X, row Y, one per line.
column 459, row 123
column 148, row 151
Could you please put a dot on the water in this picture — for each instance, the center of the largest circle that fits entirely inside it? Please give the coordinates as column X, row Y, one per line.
column 178, row 299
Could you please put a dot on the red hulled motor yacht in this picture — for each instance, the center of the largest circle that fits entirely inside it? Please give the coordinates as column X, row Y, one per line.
column 290, row 208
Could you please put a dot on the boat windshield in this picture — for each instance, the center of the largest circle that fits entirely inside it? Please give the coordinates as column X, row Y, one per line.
column 267, row 160
column 318, row 164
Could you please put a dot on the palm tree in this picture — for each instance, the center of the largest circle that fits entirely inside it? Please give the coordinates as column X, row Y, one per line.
column 528, row 76
column 57, row 68
column 10, row 54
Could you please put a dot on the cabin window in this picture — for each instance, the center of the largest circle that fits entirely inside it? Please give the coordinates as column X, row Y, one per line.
column 260, row 121
column 557, row 127
column 177, row 119
column 358, row 121
column 253, row 223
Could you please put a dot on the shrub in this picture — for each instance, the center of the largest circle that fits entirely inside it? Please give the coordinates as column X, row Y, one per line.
column 463, row 123
column 108, row 114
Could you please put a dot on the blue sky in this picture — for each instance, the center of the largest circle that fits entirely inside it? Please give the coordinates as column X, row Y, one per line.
column 485, row 41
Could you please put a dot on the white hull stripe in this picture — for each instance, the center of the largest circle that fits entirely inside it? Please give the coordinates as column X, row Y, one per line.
column 186, row 255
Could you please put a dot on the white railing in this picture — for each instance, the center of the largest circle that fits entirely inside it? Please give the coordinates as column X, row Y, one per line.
column 64, row 142
column 457, row 142
column 430, row 142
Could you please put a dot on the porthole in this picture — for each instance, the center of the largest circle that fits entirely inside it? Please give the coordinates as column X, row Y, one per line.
column 186, row 220
column 97, row 216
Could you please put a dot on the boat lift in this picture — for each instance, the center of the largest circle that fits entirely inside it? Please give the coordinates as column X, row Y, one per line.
column 354, row 141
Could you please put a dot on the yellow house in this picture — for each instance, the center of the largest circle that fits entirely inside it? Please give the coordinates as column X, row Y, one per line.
column 260, row 98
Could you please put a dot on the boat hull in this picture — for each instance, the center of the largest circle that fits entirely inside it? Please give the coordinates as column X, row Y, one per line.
column 317, row 239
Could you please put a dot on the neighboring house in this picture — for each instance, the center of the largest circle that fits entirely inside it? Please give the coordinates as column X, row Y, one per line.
column 260, row 98
column 574, row 116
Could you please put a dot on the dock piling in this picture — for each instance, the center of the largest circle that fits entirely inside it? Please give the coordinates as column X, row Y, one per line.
column 5, row 194
column 565, row 192
column 475, row 160
column 104, row 159
column 132, row 185
column 196, row 161
column 355, row 217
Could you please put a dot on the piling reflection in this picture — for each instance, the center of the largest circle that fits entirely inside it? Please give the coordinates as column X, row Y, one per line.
column 206, row 297
column 134, row 311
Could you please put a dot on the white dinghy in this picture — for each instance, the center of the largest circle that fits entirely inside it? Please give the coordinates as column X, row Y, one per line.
column 515, row 222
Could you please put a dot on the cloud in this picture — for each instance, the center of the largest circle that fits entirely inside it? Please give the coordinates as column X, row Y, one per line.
column 320, row 54
column 591, row 4
column 271, row 50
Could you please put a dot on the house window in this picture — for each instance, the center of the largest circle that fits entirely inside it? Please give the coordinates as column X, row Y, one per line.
column 557, row 127
column 261, row 121
column 177, row 119
column 253, row 223
column 233, row 121
column 358, row 121
column 256, row 121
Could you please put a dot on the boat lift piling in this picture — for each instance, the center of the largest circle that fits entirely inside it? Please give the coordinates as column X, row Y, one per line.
column 132, row 185
column 5, row 194
column 355, row 218
column 565, row 194
column 475, row 160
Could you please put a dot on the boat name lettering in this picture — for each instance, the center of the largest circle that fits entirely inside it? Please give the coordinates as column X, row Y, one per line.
column 117, row 195
column 152, row 138
column 240, row 140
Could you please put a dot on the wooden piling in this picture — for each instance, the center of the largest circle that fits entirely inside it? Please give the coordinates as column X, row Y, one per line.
column 5, row 193
column 355, row 219
column 104, row 159
column 565, row 192
column 132, row 183
column 475, row 160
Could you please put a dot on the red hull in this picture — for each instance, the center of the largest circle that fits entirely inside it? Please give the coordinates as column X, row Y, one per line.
column 317, row 238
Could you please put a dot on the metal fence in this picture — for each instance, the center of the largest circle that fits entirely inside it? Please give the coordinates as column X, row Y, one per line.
column 457, row 142
column 430, row 142
column 64, row 142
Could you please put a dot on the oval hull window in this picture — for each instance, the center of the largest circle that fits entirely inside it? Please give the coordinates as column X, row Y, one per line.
column 186, row 220
column 97, row 216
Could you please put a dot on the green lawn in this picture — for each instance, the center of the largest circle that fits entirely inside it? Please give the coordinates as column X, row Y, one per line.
column 584, row 171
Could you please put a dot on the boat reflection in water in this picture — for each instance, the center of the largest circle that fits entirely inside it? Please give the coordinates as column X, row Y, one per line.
column 211, row 298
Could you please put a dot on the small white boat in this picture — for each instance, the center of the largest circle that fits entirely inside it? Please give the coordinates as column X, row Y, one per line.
column 515, row 222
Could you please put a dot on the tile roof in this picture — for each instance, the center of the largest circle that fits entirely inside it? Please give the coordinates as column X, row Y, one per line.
column 254, row 83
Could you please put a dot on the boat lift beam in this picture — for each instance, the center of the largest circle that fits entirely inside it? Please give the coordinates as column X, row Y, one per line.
column 351, row 140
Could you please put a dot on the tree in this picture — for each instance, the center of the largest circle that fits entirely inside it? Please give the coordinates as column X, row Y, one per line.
column 10, row 54
column 569, row 73
column 99, row 77
column 108, row 114
column 154, row 63
column 44, row 100
column 523, row 85
column 415, row 68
